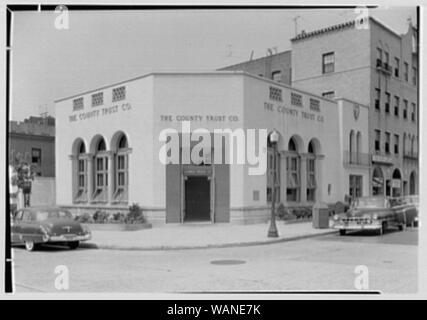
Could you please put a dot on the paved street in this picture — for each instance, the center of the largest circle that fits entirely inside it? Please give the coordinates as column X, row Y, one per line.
column 323, row 263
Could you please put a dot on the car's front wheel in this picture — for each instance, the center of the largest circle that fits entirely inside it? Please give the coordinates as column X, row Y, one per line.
column 30, row 245
column 342, row 232
column 73, row 245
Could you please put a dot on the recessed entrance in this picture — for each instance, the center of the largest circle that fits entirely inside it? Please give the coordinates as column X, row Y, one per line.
column 197, row 199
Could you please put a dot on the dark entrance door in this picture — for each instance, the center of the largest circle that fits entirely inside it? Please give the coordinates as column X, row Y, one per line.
column 197, row 199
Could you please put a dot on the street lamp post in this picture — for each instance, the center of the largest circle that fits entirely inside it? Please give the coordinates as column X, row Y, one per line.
column 272, row 230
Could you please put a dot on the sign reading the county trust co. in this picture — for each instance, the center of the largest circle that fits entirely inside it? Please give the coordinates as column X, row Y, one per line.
column 268, row 106
column 198, row 118
column 100, row 112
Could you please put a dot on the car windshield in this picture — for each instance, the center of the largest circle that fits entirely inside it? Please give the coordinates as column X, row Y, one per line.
column 44, row 215
column 370, row 203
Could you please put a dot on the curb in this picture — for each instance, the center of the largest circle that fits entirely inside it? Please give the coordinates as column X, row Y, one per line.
column 209, row 246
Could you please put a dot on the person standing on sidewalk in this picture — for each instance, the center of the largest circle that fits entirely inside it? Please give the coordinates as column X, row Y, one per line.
column 13, row 190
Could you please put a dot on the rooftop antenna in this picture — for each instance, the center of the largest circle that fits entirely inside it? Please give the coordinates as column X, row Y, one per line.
column 252, row 56
column 43, row 112
column 296, row 24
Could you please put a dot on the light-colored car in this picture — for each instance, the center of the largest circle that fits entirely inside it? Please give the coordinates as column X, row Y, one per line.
column 412, row 220
column 374, row 213
column 40, row 225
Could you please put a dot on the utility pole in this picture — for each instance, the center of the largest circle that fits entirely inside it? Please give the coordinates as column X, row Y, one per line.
column 296, row 24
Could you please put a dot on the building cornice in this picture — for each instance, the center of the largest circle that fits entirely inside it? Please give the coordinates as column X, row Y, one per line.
column 201, row 73
column 340, row 27
column 255, row 60
column 31, row 136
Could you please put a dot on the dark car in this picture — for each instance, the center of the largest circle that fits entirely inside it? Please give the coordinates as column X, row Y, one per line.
column 375, row 213
column 35, row 226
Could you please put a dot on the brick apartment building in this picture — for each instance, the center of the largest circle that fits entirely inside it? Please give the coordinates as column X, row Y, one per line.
column 34, row 140
column 276, row 67
column 377, row 67
column 374, row 66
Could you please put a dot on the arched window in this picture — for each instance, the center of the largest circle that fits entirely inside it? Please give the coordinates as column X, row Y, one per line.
column 101, row 172
column 351, row 146
column 292, row 145
column 121, row 168
column 358, row 146
column 412, row 145
column 293, row 172
column 81, row 174
column 377, row 182
column 404, row 143
column 311, row 173
column 412, row 183
column 396, row 183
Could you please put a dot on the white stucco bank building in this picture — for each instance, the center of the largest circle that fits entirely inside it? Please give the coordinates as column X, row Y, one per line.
column 107, row 147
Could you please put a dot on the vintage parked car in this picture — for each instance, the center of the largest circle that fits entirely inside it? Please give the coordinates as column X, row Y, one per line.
column 414, row 200
column 375, row 213
column 38, row 225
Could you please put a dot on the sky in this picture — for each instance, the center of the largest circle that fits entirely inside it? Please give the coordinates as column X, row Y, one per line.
column 104, row 47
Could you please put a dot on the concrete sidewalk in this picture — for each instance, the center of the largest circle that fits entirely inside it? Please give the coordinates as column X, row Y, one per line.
column 196, row 236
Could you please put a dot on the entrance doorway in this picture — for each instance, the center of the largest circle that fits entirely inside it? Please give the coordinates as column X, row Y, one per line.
column 378, row 182
column 412, row 183
column 197, row 199
column 396, row 184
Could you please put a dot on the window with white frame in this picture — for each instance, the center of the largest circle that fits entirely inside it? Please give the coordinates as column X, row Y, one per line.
column 377, row 140
column 406, row 71
column 405, row 109
column 387, row 102
column 292, row 190
column 81, row 175
column 293, row 173
column 276, row 75
column 273, row 174
column 414, row 76
column 101, row 173
column 396, row 67
column 311, row 179
column 396, row 144
column 377, row 99
column 328, row 62
column 122, row 175
column 414, row 111
column 379, row 56
column 386, row 58
column 387, row 142
column 355, row 186
column 396, row 105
